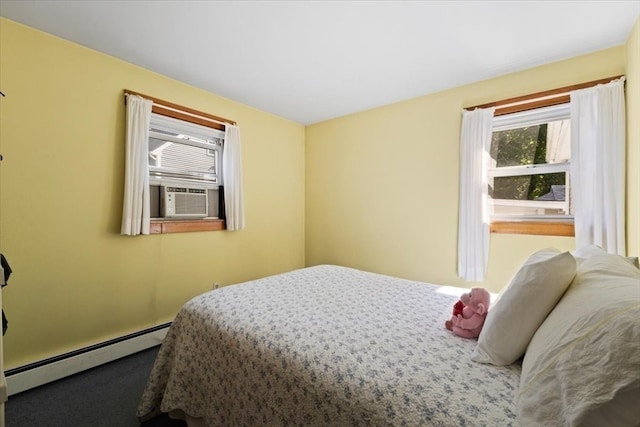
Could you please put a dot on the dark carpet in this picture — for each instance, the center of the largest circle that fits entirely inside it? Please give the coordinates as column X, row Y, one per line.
column 105, row 396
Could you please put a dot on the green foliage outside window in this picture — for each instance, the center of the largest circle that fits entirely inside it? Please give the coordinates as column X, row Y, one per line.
column 520, row 147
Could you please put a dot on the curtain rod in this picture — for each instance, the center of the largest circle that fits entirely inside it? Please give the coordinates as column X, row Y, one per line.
column 539, row 99
column 184, row 113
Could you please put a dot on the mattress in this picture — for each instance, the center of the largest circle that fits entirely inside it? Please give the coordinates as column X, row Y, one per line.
column 326, row 345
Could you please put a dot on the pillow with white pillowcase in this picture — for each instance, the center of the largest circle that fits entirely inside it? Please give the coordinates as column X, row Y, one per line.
column 522, row 306
column 582, row 367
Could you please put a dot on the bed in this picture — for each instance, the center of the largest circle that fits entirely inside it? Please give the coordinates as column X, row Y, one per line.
column 331, row 345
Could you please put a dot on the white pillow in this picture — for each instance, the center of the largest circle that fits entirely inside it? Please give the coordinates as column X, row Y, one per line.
column 523, row 305
column 582, row 367
column 589, row 250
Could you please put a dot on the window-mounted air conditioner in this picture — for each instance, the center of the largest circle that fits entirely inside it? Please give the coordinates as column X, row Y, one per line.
column 183, row 202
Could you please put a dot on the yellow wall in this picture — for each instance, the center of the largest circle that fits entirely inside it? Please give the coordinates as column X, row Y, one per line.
column 75, row 280
column 633, row 140
column 381, row 192
column 382, row 185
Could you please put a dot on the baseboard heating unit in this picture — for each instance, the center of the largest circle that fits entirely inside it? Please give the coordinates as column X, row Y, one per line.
column 39, row 373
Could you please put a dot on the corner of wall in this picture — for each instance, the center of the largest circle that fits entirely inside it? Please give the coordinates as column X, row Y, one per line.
column 632, row 51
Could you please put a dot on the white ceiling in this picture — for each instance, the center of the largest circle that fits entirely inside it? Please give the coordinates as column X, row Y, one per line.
column 310, row 61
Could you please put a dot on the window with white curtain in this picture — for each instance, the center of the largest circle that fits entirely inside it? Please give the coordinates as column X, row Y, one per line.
column 529, row 161
column 549, row 163
column 176, row 161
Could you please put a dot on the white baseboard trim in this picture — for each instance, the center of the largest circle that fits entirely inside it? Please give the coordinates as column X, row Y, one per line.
column 37, row 374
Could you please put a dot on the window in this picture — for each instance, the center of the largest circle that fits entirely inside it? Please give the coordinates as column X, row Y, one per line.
column 529, row 186
column 174, row 169
column 516, row 174
column 184, row 155
column 528, row 174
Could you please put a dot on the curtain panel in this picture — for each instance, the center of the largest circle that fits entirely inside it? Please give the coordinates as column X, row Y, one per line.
column 135, row 210
column 598, row 166
column 473, row 216
column 232, row 179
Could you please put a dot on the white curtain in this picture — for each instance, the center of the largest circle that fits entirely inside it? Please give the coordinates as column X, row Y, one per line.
column 598, row 166
column 473, row 216
column 232, row 179
column 135, row 211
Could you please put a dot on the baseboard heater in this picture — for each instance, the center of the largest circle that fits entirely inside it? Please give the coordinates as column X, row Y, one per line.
column 39, row 373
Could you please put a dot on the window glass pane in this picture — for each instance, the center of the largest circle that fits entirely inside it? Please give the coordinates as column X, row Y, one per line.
column 529, row 187
column 530, row 195
column 181, row 158
column 537, row 144
column 515, row 147
column 182, row 152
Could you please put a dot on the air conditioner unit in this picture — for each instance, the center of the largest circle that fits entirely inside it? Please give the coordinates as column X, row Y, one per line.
column 183, row 202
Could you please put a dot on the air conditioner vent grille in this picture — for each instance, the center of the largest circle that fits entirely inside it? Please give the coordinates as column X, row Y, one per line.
column 184, row 202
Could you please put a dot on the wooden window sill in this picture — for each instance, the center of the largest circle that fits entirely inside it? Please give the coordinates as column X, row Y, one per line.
column 164, row 226
column 533, row 227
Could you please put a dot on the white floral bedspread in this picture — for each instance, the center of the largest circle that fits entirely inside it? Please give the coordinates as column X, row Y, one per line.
column 325, row 345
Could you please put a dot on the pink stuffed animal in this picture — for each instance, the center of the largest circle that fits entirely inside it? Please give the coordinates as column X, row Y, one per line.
column 470, row 322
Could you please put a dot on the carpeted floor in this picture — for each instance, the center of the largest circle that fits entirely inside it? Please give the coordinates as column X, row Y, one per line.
column 105, row 396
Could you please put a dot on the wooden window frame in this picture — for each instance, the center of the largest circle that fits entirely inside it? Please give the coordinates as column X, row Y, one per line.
column 165, row 226
column 164, row 108
column 529, row 102
column 545, row 98
column 546, row 228
column 186, row 114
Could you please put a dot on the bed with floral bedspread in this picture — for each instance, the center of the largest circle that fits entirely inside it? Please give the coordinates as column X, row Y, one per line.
column 325, row 345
